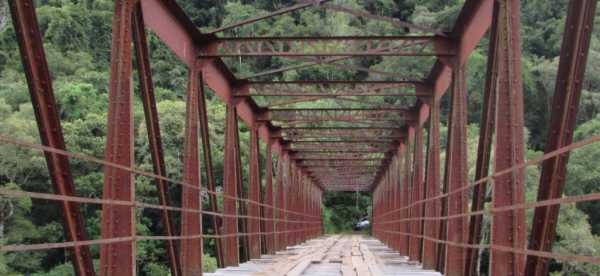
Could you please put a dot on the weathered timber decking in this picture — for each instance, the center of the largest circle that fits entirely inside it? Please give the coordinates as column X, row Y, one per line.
column 339, row 255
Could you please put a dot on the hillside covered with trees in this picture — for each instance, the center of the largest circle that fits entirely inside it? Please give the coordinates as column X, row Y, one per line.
column 77, row 36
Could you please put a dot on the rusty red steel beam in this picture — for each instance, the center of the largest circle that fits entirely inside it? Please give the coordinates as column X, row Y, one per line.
column 191, row 224
column 328, row 87
column 335, row 114
column 456, row 173
column 282, row 11
column 350, row 150
column 269, row 200
column 316, row 170
column 336, row 155
column 417, row 194
column 119, row 221
column 330, row 46
column 341, row 166
column 397, row 194
column 404, row 150
column 571, row 71
column 35, row 65
column 230, row 179
column 338, row 162
column 339, row 158
column 482, row 164
column 365, row 134
column 361, row 84
column 329, row 141
column 304, row 99
column 432, row 186
column 254, row 246
column 279, row 203
column 154, row 135
column 509, row 228
column 208, row 169
column 333, row 128
column 346, row 140
column 242, row 207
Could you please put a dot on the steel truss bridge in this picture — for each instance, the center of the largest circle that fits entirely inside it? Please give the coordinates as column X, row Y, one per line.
column 431, row 215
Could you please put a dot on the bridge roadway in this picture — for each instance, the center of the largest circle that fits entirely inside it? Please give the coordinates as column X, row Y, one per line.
column 337, row 255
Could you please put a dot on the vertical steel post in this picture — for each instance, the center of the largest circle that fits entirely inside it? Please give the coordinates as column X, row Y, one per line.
column 254, row 196
column 486, row 130
column 269, row 201
column 457, row 173
column 208, row 169
column 406, row 191
column 508, row 228
column 417, row 195
column 191, row 223
column 432, row 208
column 280, row 190
column 119, row 221
column 241, row 194
column 569, row 81
column 154, row 135
column 46, row 112
column 230, row 225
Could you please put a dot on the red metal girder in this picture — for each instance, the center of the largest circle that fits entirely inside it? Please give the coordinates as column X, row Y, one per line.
column 230, row 179
column 456, row 174
column 330, row 46
column 417, row 194
column 571, row 70
column 486, row 131
column 377, row 150
column 208, row 168
column 334, row 128
column 509, row 228
column 327, row 132
column 46, row 112
column 254, row 246
column 154, row 135
column 269, row 200
column 347, row 141
column 406, row 190
column 191, row 224
column 280, row 204
column 242, row 193
column 326, row 163
column 320, row 158
column 336, row 114
column 348, row 147
column 329, row 88
column 432, row 189
column 119, row 221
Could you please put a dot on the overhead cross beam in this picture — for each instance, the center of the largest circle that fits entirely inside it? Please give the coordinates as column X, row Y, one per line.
column 337, row 114
column 332, row 46
column 334, row 88
column 341, row 133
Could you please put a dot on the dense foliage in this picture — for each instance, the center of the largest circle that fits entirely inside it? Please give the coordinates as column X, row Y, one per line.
column 77, row 35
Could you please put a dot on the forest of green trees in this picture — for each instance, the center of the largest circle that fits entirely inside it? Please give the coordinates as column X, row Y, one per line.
column 77, row 36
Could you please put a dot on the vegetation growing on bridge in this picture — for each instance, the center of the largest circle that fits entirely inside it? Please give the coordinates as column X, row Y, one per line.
column 77, row 41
